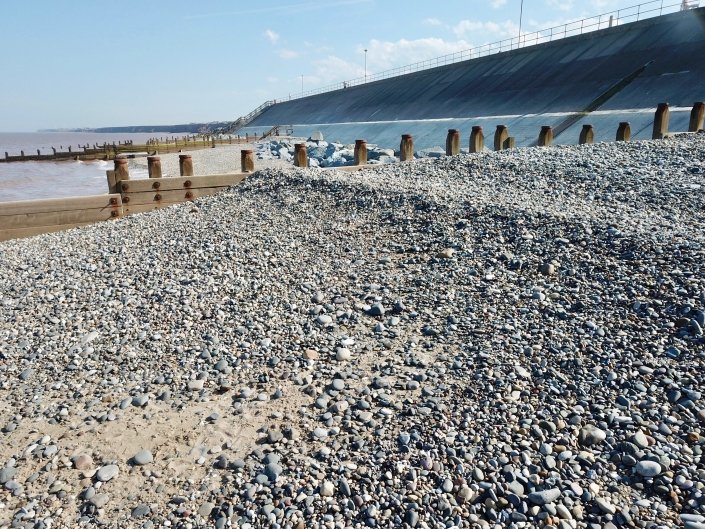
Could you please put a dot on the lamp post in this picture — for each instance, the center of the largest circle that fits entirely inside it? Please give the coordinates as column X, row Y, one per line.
column 521, row 15
column 365, row 64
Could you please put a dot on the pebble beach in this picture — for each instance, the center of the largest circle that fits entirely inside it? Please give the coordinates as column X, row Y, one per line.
column 495, row 340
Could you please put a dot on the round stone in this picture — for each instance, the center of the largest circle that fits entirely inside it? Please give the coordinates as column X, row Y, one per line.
column 143, row 457
column 107, row 472
column 648, row 469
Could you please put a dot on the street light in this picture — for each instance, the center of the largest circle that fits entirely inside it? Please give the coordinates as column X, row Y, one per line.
column 365, row 64
column 521, row 14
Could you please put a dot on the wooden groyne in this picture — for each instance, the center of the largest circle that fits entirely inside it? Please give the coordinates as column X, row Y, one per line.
column 126, row 196
column 110, row 151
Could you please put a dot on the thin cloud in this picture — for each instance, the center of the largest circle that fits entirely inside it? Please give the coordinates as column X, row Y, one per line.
column 383, row 55
column 287, row 54
column 488, row 29
column 272, row 36
column 561, row 5
column 498, row 3
column 302, row 6
column 432, row 22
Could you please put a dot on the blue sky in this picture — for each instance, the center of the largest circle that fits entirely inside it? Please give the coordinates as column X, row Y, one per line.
column 93, row 63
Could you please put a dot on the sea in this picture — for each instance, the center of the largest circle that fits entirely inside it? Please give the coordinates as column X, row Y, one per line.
column 34, row 180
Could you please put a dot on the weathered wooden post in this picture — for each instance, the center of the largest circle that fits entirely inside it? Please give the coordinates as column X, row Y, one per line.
column 587, row 135
column 697, row 117
column 360, row 152
column 545, row 136
column 154, row 166
column 500, row 137
column 453, row 142
column 624, row 131
column 54, row 150
column 121, row 170
column 477, row 139
column 406, row 148
column 112, row 181
column 510, row 143
column 300, row 155
column 661, row 122
column 247, row 160
column 38, row 153
column 185, row 165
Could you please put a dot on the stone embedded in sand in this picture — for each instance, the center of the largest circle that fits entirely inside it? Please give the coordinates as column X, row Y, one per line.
column 82, row 462
column 342, row 354
column 107, row 473
column 310, row 354
column 446, row 254
column 143, row 457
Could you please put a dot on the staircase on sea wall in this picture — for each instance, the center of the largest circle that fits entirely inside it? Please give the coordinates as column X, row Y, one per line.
column 245, row 120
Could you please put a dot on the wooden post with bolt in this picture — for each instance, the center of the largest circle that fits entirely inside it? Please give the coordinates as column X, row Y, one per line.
column 300, row 155
column 587, row 135
column 545, row 136
column 500, row 137
column 185, row 165
column 247, row 160
column 453, row 142
column 661, row 122
column 154, row 166
column 360, row 152
column 624, row 131
column 697, row 117
column 406, row 148
column 477, row 139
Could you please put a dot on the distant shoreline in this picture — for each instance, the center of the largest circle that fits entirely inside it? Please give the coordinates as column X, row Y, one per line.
column 192, row 128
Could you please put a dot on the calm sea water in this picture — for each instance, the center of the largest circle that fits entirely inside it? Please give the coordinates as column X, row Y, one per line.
column 33, row 180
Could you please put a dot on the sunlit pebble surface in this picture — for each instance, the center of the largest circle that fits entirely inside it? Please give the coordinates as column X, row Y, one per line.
column 498, row 340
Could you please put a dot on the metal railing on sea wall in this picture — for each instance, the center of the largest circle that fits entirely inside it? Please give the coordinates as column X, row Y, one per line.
column 642, row 11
